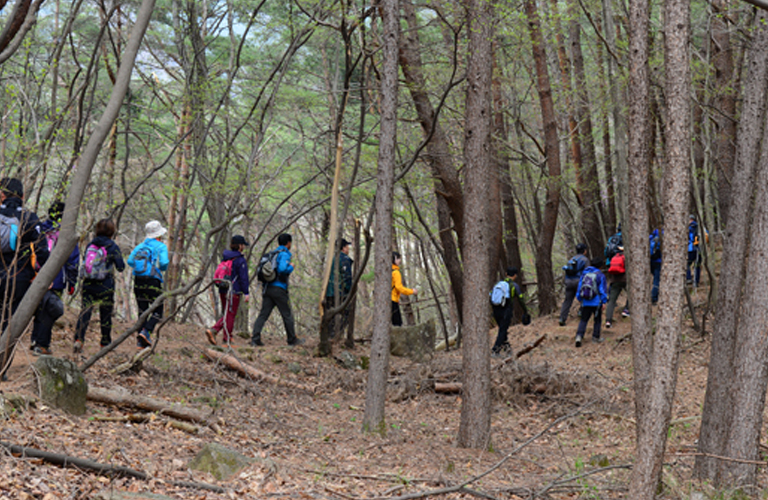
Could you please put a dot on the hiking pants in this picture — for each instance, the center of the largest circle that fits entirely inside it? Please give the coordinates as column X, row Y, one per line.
column 586, row 312
column 11, row 293
column 105, row 299
column 571, row 286
column 503, row 316
column 694, row 258
column 50, row 309
column 613, row 297
column 397, row 317
column 656, row 271
column 340, row 321
column 147, row 290
column 275, row 296
column 230, row 302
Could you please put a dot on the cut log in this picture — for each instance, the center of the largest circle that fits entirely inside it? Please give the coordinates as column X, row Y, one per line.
column 125, row 398
column 252, row 372
column 448, row 388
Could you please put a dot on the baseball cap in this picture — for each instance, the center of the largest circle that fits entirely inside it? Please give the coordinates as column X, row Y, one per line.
column 239, row 240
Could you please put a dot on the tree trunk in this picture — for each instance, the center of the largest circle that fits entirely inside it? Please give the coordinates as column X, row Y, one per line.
column 475, row 428
column 663, row 350
column 609, row 220
column 590, row 182
column 448, row 190
column 716, row 413
column 544, row 276
column 376, row 389
column 68, row 235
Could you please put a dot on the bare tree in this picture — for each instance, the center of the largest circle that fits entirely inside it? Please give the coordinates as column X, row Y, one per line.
column 376, row 389
column 475, row 428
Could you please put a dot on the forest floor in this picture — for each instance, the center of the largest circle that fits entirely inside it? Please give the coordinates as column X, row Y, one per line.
column 310, row 445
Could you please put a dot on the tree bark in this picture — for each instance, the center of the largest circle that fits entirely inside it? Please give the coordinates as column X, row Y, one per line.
column 68, row 235
column 716, row 413
column 544, row 277
column 376, row 389
column 654, row 417
column 475, row 427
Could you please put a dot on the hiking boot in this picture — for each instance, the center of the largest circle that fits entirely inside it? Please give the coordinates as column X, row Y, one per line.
column 296, row 342
column 625, row 313
column 77, row 347
column 41, row 351
column 32, row 346
column 257, row 343
column 608, row 324
column 105, row 342
column 597, row 340
column 142, row 339
column 211, row 336
column 579, row 340
column 561, row 322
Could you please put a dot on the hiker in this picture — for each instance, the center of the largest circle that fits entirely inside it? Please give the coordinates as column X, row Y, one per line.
column 275, row 292
column 617, row 278
column 591, row 294
column 148, row 260
column 20, row 238
column 102, row 257
column 51, row 307
column 398, row 289
column 341, row 280
column 573, row 270
column 694, row 257
column 655, row 249
column 234, row 283
column 502, row 300
column 612, row 247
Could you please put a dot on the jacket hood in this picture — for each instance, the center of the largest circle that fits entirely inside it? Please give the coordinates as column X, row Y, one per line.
column 101, row 241
column 590, row 269
column 231, row 254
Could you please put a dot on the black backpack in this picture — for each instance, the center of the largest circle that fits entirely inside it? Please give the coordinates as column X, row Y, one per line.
column 612, row 248
column 266, row 271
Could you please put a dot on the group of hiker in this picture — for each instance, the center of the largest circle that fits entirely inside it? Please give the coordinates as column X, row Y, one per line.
column 585, row 280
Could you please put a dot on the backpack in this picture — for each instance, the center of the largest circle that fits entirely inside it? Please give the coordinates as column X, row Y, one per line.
column 612, row 248
column 655, row 248
column 266, row 271
column 618, row 264
column 589, row 286
column 499, row 293
column 223, row 276
column 9, row 233
column 145, row 262
column 572, row 268
column 95, row 263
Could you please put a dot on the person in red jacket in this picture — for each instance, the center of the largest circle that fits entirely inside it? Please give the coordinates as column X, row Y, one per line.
column 230, row 295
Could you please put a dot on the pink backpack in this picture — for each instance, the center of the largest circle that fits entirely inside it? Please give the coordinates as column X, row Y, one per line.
column 222, row 277
column 95, row 263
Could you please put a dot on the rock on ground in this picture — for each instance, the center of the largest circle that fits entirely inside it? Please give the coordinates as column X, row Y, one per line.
column 62, row 385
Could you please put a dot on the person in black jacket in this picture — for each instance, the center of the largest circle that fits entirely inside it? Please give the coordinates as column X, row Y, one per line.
column 339, row 285
column 99, row 282
column 573, row 271
column 230, row 296
column 20, row 238
column 51, row 307
column 504, row 314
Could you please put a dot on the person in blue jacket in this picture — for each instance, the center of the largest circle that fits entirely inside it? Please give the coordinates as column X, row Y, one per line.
column 51, row 307
column 655, row 249
column 230, row 297
column 694, row 258
column 148, row 260
column 99, row 286
column 276, row 295
column 573, row 270
column 591, row 294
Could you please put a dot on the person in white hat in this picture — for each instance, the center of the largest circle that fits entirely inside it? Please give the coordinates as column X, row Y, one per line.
column 148, row 261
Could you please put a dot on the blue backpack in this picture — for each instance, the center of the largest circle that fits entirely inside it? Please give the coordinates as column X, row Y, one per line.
column 145, row 263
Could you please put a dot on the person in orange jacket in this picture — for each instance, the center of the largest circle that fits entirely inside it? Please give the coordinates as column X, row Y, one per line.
column 398, row 289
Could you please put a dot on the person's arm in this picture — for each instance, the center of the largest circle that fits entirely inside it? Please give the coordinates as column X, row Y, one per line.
column 132, row 258
column 242, row 275
column 162, row 259
column 284, row 266
column 71, row 269
column 117, row 257
column 603, row 295
column 346, row 271
column 520, row 297
column 397, row 279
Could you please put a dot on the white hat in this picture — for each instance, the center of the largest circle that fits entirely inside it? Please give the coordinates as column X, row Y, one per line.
column 154, row 229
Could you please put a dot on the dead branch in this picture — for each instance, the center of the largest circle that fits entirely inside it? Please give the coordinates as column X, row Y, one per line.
column 448, row 388
column 99, row 468
column 252, row 372
column 184, row 426
column 124, row 398
column 137, row 418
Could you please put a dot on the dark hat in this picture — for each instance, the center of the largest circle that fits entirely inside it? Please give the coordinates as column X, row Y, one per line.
column 11, row 186
column 239, row 240
column 581, row 248
column 344, row 243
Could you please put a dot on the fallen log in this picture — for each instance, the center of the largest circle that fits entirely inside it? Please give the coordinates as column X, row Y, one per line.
column 99, row 468
column 249, row 371
column 448, row 388
column 530, row 347
column 125, row 398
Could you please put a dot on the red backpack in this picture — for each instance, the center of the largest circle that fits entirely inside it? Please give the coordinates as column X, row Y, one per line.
column 222, row 277
column 617, row 264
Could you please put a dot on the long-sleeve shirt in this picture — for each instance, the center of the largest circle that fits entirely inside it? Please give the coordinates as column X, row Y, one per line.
column 397, row 285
